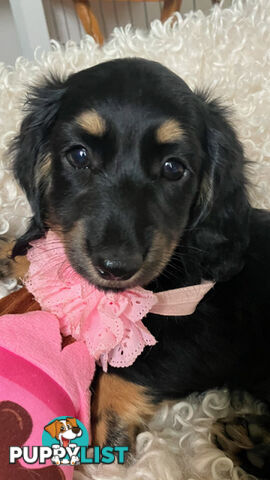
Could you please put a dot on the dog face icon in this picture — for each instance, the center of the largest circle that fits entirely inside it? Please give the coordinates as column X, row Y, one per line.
column 64, row 430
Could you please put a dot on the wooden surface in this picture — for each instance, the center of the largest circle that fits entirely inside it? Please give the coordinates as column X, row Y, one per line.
column 18, row 302
column 90, row 22
column 169, row 7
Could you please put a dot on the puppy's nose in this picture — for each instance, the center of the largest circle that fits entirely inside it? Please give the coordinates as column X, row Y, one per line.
column 118, row 269
column 75, row 429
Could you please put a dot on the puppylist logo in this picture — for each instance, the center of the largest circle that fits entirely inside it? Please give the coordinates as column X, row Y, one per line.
column 65, row 442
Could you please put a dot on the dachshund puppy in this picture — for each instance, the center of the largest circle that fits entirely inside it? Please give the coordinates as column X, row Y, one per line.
column 144, row 181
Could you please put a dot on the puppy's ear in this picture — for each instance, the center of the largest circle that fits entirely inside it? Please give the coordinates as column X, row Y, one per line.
column 72, row 421
column 31, row 156
column 51, row 428
column 220, row 224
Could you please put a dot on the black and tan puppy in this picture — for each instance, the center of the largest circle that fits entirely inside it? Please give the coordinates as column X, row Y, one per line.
column 144, row 180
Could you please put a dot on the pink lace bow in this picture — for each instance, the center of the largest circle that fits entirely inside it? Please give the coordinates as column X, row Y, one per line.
column 109, row 323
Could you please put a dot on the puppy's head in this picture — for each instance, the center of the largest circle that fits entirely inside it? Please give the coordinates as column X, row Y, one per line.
column 64, row 430
column 55, row 428
column 126, row 163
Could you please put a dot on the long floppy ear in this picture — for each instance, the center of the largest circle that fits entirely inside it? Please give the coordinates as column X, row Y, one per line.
column 220, row 217
column 30, row 149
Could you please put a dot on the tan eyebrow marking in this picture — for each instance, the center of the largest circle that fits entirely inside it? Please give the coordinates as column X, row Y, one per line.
column 92, row 122
column 169, row 131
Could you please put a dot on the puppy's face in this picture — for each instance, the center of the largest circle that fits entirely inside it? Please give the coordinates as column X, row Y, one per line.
column 64, row 430
column 120, row 170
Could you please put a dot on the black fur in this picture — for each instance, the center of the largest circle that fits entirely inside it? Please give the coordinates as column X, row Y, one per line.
column 122, row 200
column 30, row 148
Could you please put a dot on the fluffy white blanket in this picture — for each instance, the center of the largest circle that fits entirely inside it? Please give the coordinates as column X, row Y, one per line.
column 227, row 51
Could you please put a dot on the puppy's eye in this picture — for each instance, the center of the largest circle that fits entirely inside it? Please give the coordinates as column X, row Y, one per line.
column 173, row 169
column 78, row 157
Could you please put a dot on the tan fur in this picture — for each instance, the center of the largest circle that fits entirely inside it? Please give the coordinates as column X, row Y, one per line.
column 169, row 131
column 99, row 428
column 92, row 122
column 43, row 173
column 206, row 190
column 12, row 268
column 126, row 401
column 159, row 254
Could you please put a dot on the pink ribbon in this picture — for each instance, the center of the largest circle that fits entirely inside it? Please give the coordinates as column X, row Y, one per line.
column 110, row 324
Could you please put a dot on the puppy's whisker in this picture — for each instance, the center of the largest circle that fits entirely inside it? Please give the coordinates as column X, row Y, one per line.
column 190, row 247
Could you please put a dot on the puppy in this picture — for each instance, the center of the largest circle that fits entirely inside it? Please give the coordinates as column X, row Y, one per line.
column 144, row 181
column 64, row 431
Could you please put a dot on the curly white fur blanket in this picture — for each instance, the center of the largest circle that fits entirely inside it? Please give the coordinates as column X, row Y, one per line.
column 228, row 51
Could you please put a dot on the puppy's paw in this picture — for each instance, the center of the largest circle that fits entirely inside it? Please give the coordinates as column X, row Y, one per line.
column 246, row 440
column 5, row 268
column 10, row 268
column 6, row 263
